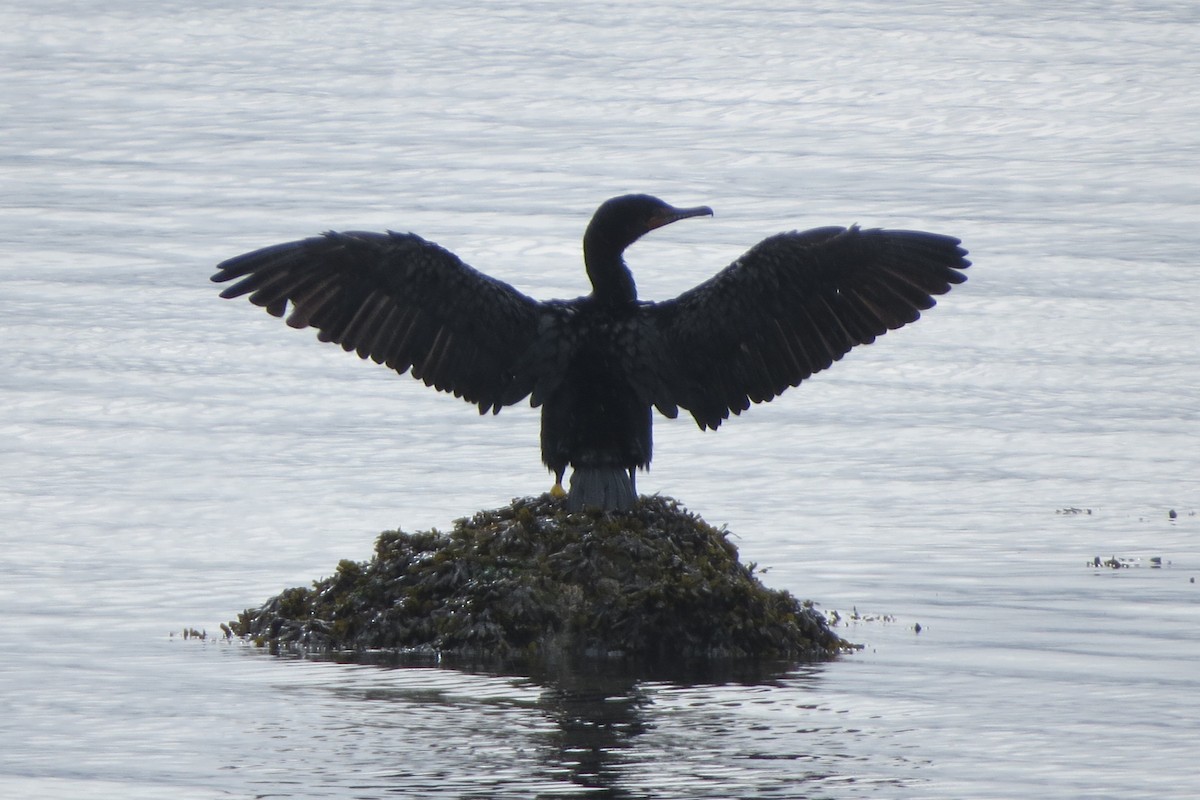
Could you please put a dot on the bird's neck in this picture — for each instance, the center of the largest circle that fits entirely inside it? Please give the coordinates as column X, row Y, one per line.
column 612, row 282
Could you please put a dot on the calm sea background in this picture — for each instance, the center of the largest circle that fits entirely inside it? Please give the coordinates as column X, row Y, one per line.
column 168, row 458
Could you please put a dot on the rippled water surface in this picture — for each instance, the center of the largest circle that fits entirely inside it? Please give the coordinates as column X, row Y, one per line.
column 169, row 458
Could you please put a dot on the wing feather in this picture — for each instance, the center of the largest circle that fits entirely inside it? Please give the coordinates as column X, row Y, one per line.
column 790, row 307
column 402, row 301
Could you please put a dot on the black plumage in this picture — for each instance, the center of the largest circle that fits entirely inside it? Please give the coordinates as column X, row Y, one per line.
column 791, row 306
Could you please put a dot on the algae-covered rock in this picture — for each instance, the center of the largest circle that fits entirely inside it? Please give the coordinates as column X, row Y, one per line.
column 532, row 580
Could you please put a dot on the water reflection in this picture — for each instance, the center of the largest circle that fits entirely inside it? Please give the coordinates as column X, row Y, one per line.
column 605, row 729
column 599, row 712
column 596, row 716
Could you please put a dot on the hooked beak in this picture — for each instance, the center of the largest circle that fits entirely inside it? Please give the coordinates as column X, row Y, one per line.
column 670, row 215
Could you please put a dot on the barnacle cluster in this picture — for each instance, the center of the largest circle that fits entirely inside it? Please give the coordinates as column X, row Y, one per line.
column 531, row 580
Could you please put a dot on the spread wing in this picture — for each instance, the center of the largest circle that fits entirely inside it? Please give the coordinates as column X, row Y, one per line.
column 404, row 302
column 789, row 307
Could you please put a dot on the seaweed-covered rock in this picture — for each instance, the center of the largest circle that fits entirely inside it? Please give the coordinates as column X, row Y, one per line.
column 530, row 580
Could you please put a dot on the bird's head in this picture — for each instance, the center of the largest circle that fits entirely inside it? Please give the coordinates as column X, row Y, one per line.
column 623, row 220
column 618, row 223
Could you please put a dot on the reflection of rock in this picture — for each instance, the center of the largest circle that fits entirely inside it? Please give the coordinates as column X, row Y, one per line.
column 532, row 580
column 600, row 709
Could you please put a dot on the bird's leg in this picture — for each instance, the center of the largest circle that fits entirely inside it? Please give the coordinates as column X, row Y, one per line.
column 557, row 491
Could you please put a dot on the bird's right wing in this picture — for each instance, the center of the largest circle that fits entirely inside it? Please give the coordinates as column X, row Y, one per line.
column 789, row 307
column 404, row 302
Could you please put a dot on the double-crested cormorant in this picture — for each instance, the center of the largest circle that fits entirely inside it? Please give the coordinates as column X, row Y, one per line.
column 597, row 365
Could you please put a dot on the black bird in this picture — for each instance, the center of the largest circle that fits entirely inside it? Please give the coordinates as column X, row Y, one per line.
column 791, row 306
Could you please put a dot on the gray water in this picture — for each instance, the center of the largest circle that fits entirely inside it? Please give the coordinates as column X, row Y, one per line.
column 169, row 458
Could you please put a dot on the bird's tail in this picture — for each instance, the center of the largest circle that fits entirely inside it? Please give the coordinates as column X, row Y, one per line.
column 606, row 488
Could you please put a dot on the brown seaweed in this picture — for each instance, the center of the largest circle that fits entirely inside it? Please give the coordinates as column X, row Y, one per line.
column 530, row 580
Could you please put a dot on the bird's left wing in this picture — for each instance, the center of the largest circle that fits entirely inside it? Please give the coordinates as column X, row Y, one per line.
column 789, row 307
column 401, row 301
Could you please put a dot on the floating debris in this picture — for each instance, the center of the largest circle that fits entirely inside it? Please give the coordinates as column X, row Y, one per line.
column 857, row 617
column 531, row 580
column 836, row 618
column 1072, row 510
column 1124, row 562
